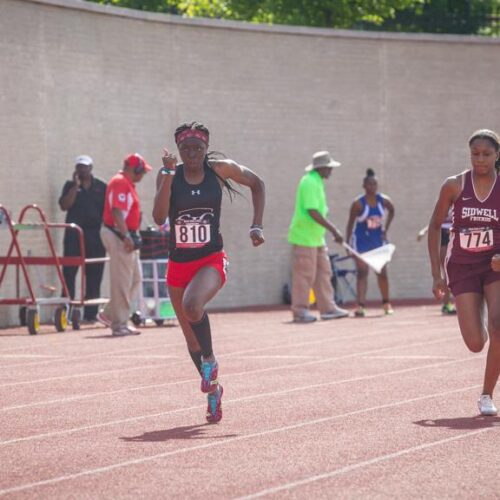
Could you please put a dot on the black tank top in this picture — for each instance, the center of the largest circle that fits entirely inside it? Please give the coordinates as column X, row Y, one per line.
column 194, row 217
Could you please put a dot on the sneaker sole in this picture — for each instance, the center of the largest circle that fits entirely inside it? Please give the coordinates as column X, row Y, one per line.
column 487, row 413
column 338, row 316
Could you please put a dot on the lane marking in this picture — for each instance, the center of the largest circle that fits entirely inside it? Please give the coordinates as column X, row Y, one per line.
column 238, row 400
column 189, row 449
column 135, row 368
column 278, row 356
column 144, row 356
column 365, row 463
column 76, row 339
column 179, row 344
column 193, row 380
column 16, row 356
column 406, row 357
column 72, row 359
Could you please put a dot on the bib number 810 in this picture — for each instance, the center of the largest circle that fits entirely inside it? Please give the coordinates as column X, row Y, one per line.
column 192, row 235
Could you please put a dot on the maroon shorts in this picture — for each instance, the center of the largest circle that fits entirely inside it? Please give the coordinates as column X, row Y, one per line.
column 465, row 278
column 179, row 274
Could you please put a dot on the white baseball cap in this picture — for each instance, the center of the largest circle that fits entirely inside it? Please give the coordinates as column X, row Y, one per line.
column 84, row 160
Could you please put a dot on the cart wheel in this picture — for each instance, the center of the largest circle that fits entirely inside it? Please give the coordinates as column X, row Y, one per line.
column 76, row 318
column 22, row 316
column 136, row 318
column 61, row 319
column 159, row 322
column 32, row 321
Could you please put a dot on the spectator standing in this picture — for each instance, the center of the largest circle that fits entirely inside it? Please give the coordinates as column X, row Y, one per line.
column 82, row 199
column 310, row 262
column 122, row 218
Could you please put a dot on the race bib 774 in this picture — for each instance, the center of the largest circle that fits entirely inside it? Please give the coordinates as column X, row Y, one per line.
column 476, row 240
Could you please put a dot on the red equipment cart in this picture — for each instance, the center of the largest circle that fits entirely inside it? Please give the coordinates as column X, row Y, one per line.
column 29, row 312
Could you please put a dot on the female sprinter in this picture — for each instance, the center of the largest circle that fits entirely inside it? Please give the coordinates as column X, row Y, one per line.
column 190, row 194
column 368, row 211
column 472, row 265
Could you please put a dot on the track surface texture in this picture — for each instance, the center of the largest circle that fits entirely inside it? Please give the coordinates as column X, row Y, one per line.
column 375, row 407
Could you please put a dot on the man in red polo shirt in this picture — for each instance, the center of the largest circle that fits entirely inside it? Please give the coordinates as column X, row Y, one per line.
column 119, row 233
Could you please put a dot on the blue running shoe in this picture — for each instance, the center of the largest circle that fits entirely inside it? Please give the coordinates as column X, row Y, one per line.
column 209, row 373
column 214, row 409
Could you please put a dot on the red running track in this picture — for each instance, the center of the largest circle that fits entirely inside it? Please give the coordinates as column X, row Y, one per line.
column 377, row 407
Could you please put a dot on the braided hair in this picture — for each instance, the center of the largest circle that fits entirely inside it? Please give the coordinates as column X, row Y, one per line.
column 492, row 137
column 211, row 155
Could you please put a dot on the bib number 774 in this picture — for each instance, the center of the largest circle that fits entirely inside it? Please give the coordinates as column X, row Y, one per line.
column 477, row 240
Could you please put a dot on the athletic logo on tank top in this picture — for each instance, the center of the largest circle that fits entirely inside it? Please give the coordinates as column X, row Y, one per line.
column 475, row 214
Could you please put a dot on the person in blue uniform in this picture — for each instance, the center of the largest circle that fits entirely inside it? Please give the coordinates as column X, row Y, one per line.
column 370, row 217
column 190, row 194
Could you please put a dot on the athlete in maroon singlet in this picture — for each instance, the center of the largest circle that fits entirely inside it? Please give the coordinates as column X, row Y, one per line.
column 473, row 262
column 190, row 194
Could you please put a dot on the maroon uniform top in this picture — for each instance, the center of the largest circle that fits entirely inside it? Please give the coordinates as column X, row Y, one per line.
column 475, row 232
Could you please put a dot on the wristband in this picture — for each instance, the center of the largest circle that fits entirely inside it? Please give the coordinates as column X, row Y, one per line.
column 256, row 227
column 167, row 171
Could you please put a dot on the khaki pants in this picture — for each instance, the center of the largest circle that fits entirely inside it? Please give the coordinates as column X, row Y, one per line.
column 125, row 278
column 311, row 269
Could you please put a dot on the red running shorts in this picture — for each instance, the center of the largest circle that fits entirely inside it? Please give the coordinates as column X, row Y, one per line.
column 179, row 274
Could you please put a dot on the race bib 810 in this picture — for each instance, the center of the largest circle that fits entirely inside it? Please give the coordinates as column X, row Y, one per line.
column 192, row 235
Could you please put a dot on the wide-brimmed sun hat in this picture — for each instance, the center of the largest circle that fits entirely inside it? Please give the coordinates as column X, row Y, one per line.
column 322, row 159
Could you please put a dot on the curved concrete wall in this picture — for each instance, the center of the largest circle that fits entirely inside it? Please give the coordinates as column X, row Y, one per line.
column 82, row 78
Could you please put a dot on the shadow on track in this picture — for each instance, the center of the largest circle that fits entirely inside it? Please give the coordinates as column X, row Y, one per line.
column 184, row 432
column 462, row 423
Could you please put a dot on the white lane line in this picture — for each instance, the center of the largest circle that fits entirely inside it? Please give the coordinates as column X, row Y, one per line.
column 277, row 356
column 300, row 425
column 179, row 344
column 238, row 400
column 92, row 355
column 261, row 370
column 79, row 375
column 365, row 463
column 406, row 357
column 29, row 356
column 144, row 356
column 76, row 339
